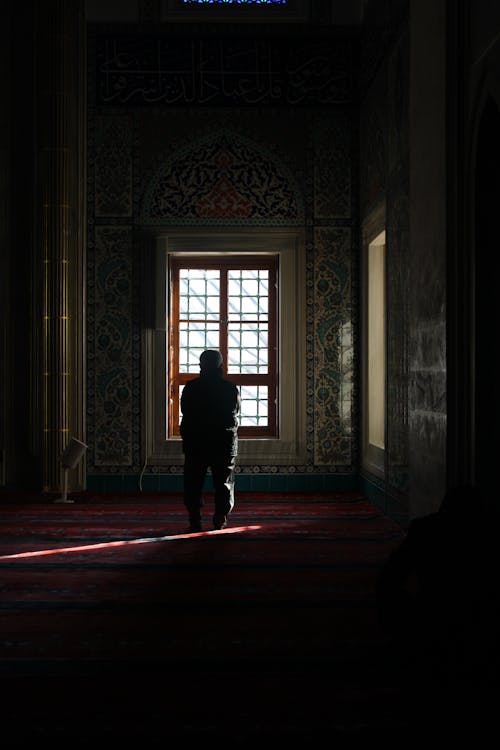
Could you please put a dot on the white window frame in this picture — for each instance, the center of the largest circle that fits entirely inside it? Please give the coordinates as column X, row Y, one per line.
column 373, row 457
column 290, row 446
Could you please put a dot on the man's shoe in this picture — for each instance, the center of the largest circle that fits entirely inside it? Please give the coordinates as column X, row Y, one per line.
column 194, row 522
column 220, row 521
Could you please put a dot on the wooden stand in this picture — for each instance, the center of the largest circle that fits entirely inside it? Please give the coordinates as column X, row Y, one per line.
column 69, row 460
column 64, row 484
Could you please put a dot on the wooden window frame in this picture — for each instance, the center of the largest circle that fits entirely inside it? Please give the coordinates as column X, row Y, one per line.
column 176, row 379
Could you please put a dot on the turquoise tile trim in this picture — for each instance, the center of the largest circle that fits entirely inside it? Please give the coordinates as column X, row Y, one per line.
column 246, row 482
column 170, row 483
column 376, row 493
column 260, row 482
column 130, row 483
column 150, row 483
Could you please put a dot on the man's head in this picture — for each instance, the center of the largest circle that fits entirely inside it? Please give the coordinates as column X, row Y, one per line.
column 210, row 360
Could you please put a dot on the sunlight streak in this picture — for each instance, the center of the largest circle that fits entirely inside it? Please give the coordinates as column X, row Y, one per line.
column 125, row 542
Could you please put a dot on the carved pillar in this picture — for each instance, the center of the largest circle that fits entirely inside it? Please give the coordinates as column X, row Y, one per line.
column 60, row 263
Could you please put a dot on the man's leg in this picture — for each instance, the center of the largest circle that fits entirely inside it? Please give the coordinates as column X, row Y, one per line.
column 194, row 478
column 223, row 481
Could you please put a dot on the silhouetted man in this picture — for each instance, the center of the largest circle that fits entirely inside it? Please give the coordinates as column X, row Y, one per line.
column 210, row 405
column 436, row 592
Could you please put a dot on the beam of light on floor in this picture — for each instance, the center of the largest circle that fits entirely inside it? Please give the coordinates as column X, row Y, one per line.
column 127, row 542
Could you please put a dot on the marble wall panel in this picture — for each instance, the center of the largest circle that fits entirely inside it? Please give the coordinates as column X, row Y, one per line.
column 427, row 449
column 398, row 102
column 384, row 178
column 373, row 168
column 397, row 327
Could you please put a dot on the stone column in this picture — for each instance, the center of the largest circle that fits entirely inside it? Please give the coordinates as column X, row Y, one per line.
column 427, row 412
column 60, row 202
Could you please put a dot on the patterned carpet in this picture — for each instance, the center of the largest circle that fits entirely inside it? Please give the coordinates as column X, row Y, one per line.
column 118, row 625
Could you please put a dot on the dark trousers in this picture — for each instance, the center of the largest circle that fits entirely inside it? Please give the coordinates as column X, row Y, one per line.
column 195, row 471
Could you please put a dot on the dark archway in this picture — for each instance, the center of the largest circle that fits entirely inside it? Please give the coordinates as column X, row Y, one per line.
column 487, row 209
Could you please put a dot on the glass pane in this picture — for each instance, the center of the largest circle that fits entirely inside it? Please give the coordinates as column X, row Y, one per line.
column 254, row 405
column 248, row 294
column 247, row 349
column 199, row 293
column 249, row 287
column 242, row 330
column 249, row 307
column 193, row 339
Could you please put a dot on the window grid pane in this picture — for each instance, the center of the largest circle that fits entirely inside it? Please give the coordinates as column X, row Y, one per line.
column 248, row 294
column 247, row 348
column 193, row 339
column 254, row 405
column 199, row 291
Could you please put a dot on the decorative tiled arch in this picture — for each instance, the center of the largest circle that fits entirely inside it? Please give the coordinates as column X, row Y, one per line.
column 222, row 179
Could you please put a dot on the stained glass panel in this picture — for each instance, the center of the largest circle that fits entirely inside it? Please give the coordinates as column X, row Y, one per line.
column 235, row 2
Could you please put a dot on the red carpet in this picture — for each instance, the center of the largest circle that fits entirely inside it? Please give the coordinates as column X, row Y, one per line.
column 116, row 624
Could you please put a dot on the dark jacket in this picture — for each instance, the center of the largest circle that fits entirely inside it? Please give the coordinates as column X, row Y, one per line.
column 209, row 426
